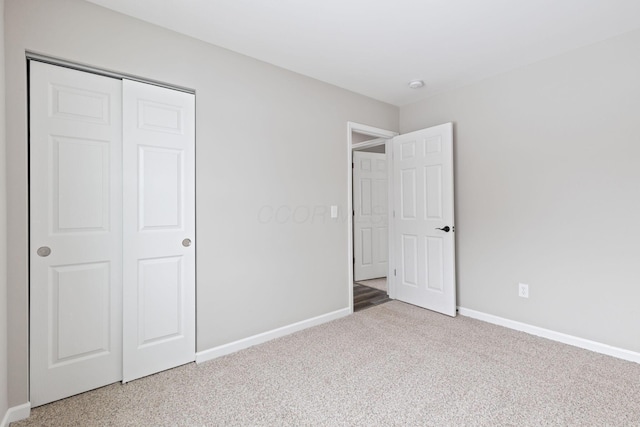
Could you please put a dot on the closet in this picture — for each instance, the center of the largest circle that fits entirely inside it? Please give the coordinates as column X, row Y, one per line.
column 112, row 230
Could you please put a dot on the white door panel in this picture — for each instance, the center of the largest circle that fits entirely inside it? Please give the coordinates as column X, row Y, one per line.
column 159, row 191
column 160, row 172
column 423, row 188
column 75, row 209
column 370, row 190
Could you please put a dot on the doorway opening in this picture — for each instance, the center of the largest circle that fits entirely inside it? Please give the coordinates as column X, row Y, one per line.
column 420, row 200
column 369, row 227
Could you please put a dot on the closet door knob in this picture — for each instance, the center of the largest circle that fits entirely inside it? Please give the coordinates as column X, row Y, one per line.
column 445, row 228
column 44, row 251
column 186, row 243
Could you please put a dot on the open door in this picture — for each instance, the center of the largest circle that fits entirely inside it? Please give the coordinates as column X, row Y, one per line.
column 424, row 243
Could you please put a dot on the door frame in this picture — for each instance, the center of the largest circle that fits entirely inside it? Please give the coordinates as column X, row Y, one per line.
column 382, row 137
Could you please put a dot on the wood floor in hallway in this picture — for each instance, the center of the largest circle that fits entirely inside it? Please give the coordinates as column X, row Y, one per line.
column 365, row 297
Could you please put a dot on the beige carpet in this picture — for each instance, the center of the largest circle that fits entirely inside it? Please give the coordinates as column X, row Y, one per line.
column 380, row 284
column 393, row 364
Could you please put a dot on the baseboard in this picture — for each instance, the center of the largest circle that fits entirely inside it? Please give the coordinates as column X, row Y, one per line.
column 16, row 413
column 597, row 347
column 225, row 349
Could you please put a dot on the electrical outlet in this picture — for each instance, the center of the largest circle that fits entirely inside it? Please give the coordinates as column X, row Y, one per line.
column 523, row 290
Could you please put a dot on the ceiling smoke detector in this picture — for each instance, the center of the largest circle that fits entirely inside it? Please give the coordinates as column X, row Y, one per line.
column 416, row 84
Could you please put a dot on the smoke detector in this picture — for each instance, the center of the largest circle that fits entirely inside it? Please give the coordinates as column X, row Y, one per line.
column 416, row 84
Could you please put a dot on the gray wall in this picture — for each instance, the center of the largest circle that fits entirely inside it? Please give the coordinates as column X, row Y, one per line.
column 3, row 232
column 255, row 272
column 548, row 191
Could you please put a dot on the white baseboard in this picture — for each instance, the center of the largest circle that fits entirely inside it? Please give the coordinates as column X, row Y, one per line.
column 597, row 347
column 203, row 356
column 16, row 413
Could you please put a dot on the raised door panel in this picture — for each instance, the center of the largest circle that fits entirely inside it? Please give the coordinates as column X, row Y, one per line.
column 366, row 197
column 81, row 175
column 82, row 104
column 156, row 116
column 366, row 240
column 160, row 300
column 433, row 193
column 160, row 189
column 80, row 315
column 408, row 194
column 435, row 263
column 381, row 244
column 409, row 261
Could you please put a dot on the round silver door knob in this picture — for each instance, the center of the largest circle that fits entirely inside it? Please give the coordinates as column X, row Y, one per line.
column 44, row 251
column 186, row 243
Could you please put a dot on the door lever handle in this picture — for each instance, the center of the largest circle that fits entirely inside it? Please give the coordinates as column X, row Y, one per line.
column 446, row 228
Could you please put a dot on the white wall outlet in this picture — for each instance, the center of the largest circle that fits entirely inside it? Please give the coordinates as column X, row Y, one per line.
column 523, row 290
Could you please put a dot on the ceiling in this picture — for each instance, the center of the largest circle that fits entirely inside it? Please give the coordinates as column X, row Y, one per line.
column 375, row 47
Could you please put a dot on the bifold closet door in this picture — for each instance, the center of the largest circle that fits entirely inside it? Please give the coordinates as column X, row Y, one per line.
column 75, row 232
column 159, row 229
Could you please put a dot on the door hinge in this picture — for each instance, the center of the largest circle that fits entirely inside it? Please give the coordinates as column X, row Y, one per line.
column 394, row 272
column 354, row 260
column 394, row 213
column 353, row 165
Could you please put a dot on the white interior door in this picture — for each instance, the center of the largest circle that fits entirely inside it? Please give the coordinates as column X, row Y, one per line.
column 424, row 244
column 159, row 229
column 370, row 222
column 75, row 232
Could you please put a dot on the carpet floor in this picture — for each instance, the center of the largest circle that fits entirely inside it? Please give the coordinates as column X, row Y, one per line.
column 390, row 365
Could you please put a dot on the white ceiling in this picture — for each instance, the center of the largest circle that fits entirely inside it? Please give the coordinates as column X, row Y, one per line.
column 375, row 47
